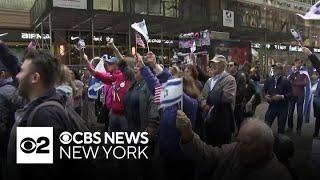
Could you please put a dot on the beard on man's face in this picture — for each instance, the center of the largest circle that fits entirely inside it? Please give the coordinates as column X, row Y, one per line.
column 24, row 87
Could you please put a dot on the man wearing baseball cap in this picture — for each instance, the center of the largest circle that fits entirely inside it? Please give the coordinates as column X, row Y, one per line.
column 120, row 84
column 277, row 92
column 219, row 94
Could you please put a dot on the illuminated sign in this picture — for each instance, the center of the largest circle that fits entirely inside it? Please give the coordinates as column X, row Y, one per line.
column 256, row 45
column 316, row 50
column 295, row 48
column 34, row 36
column 158, row 41
column 280, row 47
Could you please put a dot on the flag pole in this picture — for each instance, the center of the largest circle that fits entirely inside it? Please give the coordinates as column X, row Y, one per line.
column 299, row 43
column 148, row 46
column 182, row 95
column 136, row 44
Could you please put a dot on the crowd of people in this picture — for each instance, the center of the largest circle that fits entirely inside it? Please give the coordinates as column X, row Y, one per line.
column 213, row 136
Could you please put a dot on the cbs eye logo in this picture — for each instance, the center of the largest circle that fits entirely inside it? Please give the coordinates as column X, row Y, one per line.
column 34, row 145
column 29, row 145
column 65, row 137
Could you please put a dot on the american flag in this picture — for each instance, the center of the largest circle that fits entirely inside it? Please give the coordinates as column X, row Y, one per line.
column 157, row 94
column 139, row 41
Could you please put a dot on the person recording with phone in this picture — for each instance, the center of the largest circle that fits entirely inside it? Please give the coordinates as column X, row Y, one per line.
column 277, row 92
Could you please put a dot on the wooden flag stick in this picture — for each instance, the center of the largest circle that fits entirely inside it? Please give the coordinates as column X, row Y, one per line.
column 136, row 45
column 182, row 95
column 148, row 46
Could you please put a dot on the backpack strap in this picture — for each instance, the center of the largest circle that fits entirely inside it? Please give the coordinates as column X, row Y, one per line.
column 47, row 103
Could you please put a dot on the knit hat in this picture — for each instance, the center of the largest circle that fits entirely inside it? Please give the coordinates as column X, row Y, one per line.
column 8, row 61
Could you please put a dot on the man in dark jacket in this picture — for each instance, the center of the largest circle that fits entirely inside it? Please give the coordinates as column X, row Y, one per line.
column 277, row 91
column 316, row 99
column 239, row 110
column 8, row 69
column 36, row 83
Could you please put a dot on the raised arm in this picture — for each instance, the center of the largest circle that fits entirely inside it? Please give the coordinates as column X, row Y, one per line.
column 313, row 58
column 159, row 74
column 115, row 50
column 105, row 78
column 151, row 80
column 205, row 157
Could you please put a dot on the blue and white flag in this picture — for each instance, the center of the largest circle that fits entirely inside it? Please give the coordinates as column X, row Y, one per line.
column 171, row 92
column 81, row 45
column 100, row 67
column 141, row 27
column 307, row 98
column 296, row 35
column 313, row 13
column 95, row 84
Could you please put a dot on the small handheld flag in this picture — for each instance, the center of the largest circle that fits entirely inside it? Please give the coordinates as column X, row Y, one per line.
column 141, row 28
column 109, row 40
column 296, row 36
column 81, row 45
column 169, row 93
column 193, row 48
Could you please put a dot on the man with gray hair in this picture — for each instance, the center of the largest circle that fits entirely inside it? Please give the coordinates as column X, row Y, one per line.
column 250, row 157
column 219, row 95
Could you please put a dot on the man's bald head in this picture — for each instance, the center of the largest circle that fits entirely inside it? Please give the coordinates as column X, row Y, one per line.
column 259, row 131
column 255, row 140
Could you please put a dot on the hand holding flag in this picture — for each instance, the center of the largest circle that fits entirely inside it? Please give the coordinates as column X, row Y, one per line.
column 139, row 41
column 81, row 45
column 306, row 51
column 89, row 65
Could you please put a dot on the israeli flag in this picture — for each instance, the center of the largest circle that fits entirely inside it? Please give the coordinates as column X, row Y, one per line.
column 313, row 13
column 171, row 92
column 95, row 84
column 296, row 35
column 141, row 27
column 307, row 98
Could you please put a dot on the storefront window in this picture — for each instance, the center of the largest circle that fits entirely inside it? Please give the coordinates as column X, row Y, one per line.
column 155, row 7
column 171, row 8
column 249, row 15
column 141, row 7
column 109, row 5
